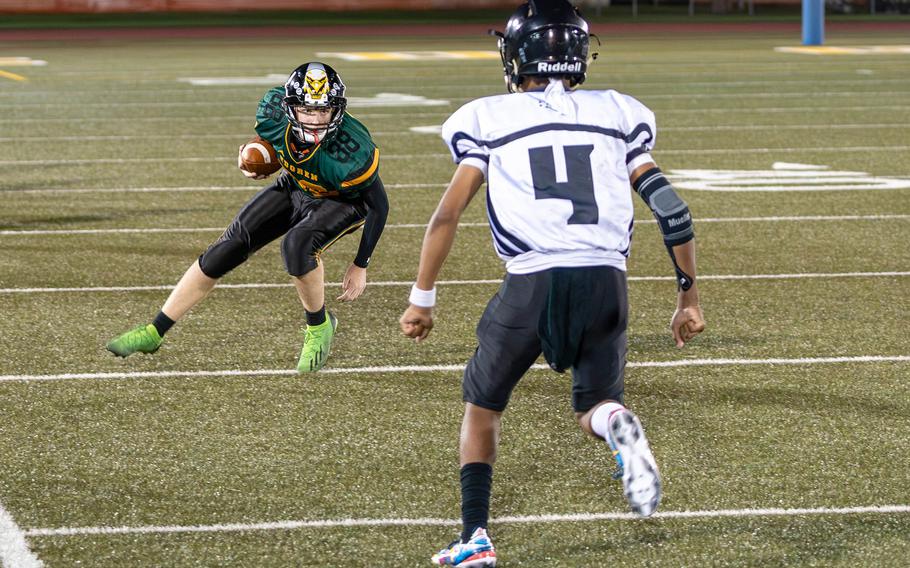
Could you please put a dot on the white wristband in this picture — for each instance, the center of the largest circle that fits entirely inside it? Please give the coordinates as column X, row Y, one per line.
column 422, row 298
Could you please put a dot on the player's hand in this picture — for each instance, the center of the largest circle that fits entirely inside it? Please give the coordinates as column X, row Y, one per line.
column 355, row 280
column 416, row 322
column 247, row 173
column 688, row 321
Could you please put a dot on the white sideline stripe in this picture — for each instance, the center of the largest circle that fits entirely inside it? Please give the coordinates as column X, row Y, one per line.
column 461, row 282
column 371, row 101
column 378, row 85
column 381, row 133
column 772, row 219
column 14, row 551
column 170, row 160
column 737, row 128
column 246, row 188
column 196, row 229
column 573, row 517
column 444, row 368
column 241, row 137
column 744, row 110
column 444, row 113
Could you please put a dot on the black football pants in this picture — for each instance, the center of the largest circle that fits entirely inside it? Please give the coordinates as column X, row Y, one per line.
column 310, row 226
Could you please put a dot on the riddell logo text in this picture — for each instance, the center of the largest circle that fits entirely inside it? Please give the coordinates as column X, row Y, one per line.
column 565, row 67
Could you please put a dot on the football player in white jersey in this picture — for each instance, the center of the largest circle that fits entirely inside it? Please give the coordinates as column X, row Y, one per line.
column 558, row 164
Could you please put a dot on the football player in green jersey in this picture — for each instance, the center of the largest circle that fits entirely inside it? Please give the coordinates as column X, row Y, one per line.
column 329, row 186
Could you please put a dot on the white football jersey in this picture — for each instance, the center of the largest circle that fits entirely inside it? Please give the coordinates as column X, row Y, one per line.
column 557, row 167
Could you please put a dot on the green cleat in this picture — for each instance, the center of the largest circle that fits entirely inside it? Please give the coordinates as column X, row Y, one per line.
column 144, row 339
column 317, row 343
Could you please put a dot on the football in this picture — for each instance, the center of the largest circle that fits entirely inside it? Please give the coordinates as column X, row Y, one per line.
column 259, row 157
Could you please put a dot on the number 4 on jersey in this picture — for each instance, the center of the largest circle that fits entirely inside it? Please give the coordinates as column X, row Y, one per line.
column 578, row 187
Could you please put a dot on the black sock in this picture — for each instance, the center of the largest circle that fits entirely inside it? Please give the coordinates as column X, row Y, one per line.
column 316, row 318
column 162, row 323
column 476, row 483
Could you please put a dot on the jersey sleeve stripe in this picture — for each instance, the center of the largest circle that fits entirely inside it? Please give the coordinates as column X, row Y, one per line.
column 635, row 153
column 637, row 131
column 365, row 175
column 474, row 155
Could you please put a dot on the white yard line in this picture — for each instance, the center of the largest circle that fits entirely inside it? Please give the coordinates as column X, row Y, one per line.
column 705, row 151
column 553, row 518
column 243, row 136
column 762, row 110
column 208, row 119
column 243, row 188
column 165, row 287
column 444, row 368
column 688, row 151
column 14, row 550
column 627, row 86
column 194, row 230
column 445, row 112
column 770, row 219
column 483, row 89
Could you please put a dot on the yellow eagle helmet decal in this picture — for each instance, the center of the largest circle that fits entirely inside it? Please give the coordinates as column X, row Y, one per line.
column 316, row 85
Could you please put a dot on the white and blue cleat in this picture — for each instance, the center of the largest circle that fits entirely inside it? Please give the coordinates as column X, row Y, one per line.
column 477, row 552
column 640, row 478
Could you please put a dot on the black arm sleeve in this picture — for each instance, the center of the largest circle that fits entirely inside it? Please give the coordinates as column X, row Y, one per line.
column 672, row 214
column 377, row 202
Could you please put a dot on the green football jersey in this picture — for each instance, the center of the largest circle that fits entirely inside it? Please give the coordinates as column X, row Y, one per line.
column 344, row 165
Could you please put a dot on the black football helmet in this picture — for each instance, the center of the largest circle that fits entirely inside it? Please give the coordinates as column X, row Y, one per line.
column 314, row 85
column 544, row 38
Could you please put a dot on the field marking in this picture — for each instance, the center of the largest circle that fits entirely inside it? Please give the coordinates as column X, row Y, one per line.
column 843, row 50
column 167, row 287
column 626, row 86
column 14, row 550
column 21, row 62
column 691, row 151
column 13, row 76
column 744, row 110
column 436, row 129
column 188, row 189
column 783, row 176
column 380, row 100
column 443, row 368
column 398, row 56
column 403, row 114
column 769, row 219
column 241, row 137
column 206, row 229
column 515, row 519
column 208, row 119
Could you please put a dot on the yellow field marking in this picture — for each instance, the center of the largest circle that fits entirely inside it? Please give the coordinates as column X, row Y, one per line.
column 21, row 62
column 12, row 76
column 409, row 55
column 857, row 50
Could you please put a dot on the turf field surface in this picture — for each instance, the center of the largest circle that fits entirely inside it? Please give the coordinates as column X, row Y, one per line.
column 783, row 430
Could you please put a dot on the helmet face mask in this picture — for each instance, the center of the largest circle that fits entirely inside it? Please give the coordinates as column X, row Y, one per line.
column 313, row 87
column 544, row 38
